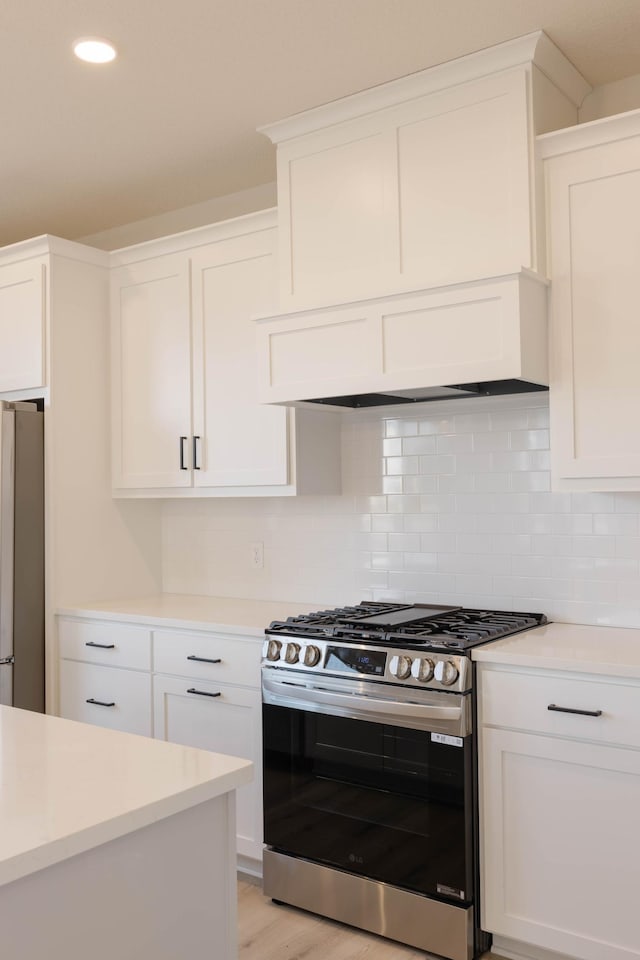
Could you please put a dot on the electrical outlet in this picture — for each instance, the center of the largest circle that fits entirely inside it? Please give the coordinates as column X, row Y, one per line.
column 257, row 555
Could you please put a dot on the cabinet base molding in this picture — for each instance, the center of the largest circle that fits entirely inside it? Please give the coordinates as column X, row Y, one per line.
column 514, row 950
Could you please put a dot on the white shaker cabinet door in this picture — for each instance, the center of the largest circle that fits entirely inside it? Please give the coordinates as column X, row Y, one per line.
column 22, row 325
column 593, row 199
column 238, row 442
column 561, row 848
column 151, row 351
column 225, row 719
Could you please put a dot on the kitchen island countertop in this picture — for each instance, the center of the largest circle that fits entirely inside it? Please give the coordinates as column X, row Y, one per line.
column 67, row 787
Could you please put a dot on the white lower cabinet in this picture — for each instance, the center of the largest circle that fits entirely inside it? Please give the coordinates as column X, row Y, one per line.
column 560, row 845
column 104, row 674
column 191, row 687
column 106, row 696
column 225, row 719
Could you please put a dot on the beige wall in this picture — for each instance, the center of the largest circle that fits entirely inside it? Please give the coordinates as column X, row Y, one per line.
column 187, row 218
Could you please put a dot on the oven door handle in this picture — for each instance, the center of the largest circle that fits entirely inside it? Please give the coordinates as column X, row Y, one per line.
column 359, row 703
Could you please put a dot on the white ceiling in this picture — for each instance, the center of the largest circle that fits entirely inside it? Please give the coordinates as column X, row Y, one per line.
column 172, row 121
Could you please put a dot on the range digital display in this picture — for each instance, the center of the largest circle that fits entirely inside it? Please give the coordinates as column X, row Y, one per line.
column 350, row 660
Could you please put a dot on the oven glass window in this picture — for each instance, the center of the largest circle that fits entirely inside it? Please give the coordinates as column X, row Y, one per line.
column 383, row 801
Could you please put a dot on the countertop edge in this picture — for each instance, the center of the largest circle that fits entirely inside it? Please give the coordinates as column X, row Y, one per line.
column 163, row 621
column 626, row 671
column 49, row 853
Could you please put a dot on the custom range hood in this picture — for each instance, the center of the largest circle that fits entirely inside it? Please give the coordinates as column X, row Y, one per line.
column 476, row 339
column 411, row 234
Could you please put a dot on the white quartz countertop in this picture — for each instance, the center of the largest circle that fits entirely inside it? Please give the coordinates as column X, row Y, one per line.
column 66, row 787
column 226, row 614
column 610, row 651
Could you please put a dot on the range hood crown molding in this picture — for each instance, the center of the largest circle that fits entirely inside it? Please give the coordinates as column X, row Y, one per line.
column 534, row 48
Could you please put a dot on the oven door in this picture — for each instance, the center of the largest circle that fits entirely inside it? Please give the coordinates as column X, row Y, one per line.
column 373, row 779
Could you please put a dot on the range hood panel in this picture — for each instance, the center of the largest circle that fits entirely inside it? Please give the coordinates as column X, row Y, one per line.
column 472, row 339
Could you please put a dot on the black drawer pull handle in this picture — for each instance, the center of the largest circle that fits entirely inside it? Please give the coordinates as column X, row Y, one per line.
column 203, row 693
column 582, row 713
column 102, row 646
column 101, row 703
column 183, row 465
column 196, row 465
column 203, row 659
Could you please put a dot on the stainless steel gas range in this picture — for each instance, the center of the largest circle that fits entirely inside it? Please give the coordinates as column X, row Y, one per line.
column 370, row 768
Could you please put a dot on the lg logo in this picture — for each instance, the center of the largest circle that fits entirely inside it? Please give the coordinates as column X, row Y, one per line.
column 355, row 859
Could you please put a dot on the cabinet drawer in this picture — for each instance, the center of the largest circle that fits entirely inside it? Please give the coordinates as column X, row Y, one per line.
column 113, row 644
column 124, row 696
column 191, row 655
column 520, row 700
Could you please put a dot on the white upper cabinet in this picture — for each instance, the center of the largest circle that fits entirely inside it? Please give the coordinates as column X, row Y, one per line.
column 593, row 200
column 23, row 318
column 237, row 442
column 421, row 182
column 151, row 353
column 186, row 417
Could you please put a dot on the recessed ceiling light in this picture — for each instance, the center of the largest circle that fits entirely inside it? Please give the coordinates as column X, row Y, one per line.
column 94, row 50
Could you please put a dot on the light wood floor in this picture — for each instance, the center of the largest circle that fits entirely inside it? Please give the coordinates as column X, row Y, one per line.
column 271, row 932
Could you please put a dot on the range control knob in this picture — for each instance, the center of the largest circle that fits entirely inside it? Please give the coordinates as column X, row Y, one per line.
column 446, row 672
column 400, row 667
column 310, row 656
column 271, row 650
column 422, row 669
column 292, row 652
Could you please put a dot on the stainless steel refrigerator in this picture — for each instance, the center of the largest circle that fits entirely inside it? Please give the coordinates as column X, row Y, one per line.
column 22, row 556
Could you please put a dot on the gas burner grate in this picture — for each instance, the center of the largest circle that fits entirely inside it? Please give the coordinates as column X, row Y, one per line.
column 457, row 630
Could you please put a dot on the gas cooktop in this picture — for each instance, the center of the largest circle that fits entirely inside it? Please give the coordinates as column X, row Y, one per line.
column 424, row 626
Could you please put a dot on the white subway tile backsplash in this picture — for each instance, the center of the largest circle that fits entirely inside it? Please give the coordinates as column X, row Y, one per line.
column 454, row 443
column 400, row 428
column 623, row 524
column 404, row 465
column 474, row 463
column 627, row 547
column 441, row 507
column 420, row 484
column 416, row 446
column 392, row 447
column 440, row 543
column 455, row 483
column 529, row 440
column 472, row 423
column 437, row 465
column 533, row 480
column 419, row 522
column 396, row 484
column 404, row 541
column 494, row 441
column 389, row 522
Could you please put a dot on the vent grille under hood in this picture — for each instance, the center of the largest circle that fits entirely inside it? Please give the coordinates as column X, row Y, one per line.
column 492, row 388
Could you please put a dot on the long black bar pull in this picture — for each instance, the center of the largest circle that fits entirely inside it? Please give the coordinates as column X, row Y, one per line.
column 196, row 465
column 582, row 713
column 101, row 703
column 101, row 646
column 183, row 465
column 203, row 659
column 203, row 693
